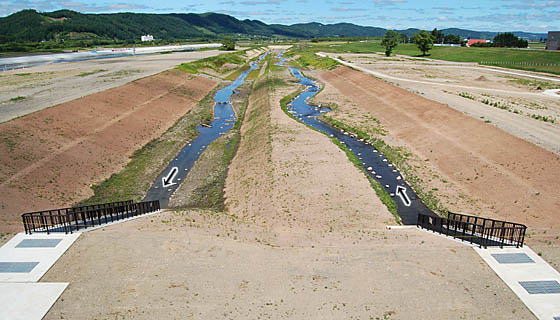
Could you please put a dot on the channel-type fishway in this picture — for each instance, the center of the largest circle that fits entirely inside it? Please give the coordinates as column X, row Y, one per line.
column 174, row 174
column 373, row 161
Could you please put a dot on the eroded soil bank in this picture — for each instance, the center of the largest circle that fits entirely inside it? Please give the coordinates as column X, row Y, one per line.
column 52, row 157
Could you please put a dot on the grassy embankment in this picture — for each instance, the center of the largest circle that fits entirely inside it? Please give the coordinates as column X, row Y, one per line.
column 215, row 63
column 218, row 64
column 522, row 59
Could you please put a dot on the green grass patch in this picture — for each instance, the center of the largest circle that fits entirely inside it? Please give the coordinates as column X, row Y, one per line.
column 543, row 118
column 18, row 98
column 214, row 63
column 253, row 74
column 466, row 95
column 232, row 76
column 122, row 73
column 306, row 59
column 85, row 74
column 235, row 74
column 536, row 84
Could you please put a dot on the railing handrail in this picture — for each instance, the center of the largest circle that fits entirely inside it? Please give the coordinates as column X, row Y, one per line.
column 505, row 233
column 74, row 208
column 68, row 219
column 484, row 219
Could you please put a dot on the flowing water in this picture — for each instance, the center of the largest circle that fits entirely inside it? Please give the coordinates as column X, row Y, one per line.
column 373, row 161
column 224, row 119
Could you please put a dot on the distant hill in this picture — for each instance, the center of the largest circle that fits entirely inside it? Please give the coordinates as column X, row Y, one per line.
column 30, row 25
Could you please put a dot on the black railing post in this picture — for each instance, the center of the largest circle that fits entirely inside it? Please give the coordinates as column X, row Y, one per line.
column 45, row 223
column 24, row 224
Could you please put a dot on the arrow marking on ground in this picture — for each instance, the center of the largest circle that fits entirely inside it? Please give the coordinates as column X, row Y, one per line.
column 401, row 192
column 167, row 181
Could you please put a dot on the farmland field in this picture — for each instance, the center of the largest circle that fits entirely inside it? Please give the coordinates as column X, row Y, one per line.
column 523, row 59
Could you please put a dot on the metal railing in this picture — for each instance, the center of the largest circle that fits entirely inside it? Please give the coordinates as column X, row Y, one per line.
column 476, row 230
column 68, row 220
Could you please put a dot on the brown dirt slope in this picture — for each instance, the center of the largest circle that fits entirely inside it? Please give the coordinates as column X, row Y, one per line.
column 51, row 158
column 519, row 180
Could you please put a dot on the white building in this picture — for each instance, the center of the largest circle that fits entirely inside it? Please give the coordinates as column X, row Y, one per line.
column 147, row 37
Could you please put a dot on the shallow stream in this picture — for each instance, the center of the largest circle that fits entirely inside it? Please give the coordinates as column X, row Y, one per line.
column 171, row 177
column 373, row 161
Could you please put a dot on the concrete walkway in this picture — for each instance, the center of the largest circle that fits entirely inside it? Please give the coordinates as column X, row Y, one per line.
column 23, row 261
column 531, row 278
column 26, row 301
column 26, row 258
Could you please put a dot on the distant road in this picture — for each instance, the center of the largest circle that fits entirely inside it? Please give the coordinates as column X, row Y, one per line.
column 42, row 59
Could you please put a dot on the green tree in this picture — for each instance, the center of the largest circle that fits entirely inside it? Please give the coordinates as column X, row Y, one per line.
column 228, row 44
column 509, row 40
column 424, row 41
column 403, row 38
column 390, row 41
column 438, row 36
column 452, row 39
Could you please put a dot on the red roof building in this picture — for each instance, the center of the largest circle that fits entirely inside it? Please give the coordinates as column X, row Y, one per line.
column 473, row 41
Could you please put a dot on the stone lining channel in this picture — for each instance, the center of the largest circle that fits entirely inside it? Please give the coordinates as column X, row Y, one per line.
column 373, row 161
column 224, row 119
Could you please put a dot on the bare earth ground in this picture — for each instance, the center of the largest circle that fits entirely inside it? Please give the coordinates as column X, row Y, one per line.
column 444, row 82
column 476, row 167
column 198, row 266
column 52, row 157
column 303, row 238
column 45, row 86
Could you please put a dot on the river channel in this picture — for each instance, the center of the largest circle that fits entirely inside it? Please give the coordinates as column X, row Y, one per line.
column 373, row 161
column 171, row 177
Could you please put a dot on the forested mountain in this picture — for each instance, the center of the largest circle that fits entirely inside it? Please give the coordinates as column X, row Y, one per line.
column 30, row 25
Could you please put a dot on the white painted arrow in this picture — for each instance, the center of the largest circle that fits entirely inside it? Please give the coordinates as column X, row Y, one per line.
column 167, row 181
column 401, row 192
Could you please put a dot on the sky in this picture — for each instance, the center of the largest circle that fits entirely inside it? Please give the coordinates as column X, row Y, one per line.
column 480, row 15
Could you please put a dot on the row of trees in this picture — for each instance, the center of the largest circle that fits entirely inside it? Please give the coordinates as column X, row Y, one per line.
column 440, row 37
column 425, row 40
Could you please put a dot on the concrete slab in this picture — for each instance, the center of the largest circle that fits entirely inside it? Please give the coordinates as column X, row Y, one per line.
column 517, row 275
column 45, row 257
column 38, row 243
column 17, row 267
column 512, row 258
column 28, row 301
